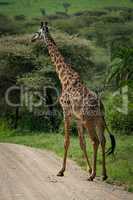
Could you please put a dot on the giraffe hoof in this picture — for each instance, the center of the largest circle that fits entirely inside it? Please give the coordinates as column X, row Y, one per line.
column 90, row 178
column 104, row 177
column 60, row 174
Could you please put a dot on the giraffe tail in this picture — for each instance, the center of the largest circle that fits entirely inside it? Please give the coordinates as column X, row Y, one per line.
column 111, row 150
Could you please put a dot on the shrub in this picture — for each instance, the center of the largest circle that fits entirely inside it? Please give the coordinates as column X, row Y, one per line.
column 66, row 26
column 62, row 14
column 20, row 17
column 66, row 6
column 33, row 123
column 117, row 120
column 4, row 125
column 8, row 25
column 43, row 11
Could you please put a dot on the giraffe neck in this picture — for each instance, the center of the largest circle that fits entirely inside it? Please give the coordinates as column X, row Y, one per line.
column 62, row 68
column 68, row 77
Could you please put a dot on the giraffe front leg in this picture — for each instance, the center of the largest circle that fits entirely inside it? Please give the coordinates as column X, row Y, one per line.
column 66, row 145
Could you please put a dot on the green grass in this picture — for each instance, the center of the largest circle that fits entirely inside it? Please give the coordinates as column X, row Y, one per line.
column 120, row 169
column 32, row 7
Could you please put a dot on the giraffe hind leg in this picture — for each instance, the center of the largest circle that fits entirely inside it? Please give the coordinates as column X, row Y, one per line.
column 83, row 143
column 89, row 124
column 100, row 131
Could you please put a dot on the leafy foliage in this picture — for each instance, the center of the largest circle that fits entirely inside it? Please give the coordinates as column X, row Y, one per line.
column 8, row 25
column 118, row 120
column 121, row 70
column 66, row 6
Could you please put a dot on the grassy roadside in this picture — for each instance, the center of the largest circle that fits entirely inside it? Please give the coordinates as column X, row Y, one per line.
column 120, row 170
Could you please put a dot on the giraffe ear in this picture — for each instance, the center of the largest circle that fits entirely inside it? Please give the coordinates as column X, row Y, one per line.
column 42, row 24
column 46, row 24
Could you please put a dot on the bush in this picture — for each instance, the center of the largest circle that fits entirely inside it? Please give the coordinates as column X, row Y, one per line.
column 20, row 17
column 33, row 123
column 66, row 26
column 43, row 11
column 122, row 123
column 62, row 14
column 4, row 125
column 117, row 120
column 66, row 6
column 8, row 26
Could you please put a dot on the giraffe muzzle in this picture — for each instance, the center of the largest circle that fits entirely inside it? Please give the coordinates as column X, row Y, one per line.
column 35, row 37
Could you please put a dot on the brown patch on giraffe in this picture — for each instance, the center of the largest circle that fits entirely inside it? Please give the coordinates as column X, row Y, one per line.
column 61, row 74
column 65, row 86
column 59, row 67
column 64, row 79
column 67, row 82
column 64, row 66
column 57, row 54
column 58, row 62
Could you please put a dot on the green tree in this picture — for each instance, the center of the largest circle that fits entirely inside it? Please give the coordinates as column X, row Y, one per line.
column 121, row 71
column 43, row 11
column 66, row 6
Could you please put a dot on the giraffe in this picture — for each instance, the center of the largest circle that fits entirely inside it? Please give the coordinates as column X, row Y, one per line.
column 79, row 101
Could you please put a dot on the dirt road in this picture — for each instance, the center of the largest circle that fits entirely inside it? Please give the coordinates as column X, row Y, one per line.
column 30, row 174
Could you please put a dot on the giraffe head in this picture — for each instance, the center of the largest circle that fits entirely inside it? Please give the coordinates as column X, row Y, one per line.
column 41, row 33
